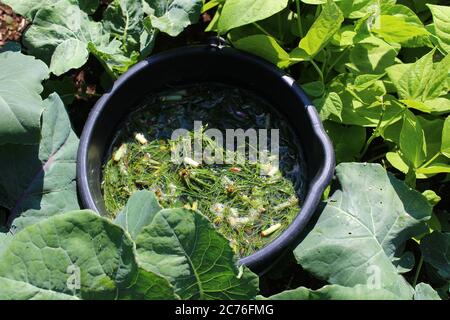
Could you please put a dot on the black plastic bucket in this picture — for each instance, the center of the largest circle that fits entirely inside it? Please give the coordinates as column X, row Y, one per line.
column 220, row 65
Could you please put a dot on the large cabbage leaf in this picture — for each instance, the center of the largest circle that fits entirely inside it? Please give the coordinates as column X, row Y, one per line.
column 76, row 255
column 335, row 292
column 184, row 246
column 363, row 228
column 172, row 16
column 38, row 181
column 20, row 103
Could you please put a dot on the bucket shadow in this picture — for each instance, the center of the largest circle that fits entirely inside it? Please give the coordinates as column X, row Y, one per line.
column 22, row 181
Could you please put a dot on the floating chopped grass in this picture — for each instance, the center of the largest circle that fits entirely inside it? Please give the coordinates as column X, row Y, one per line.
column 247, row 207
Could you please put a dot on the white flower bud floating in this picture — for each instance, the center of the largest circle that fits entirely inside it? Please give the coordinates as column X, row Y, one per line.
column 120, row 153
column 191, row 162
column 141, row 138
column 218, row 209
column 270, row 230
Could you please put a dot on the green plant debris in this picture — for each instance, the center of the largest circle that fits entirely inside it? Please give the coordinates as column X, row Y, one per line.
column 248, row 208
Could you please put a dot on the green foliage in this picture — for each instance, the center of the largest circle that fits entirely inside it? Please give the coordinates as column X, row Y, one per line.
column 237, row 13
column 20, row 106
column 49, row 254
column 79, row 255
column 378, row 72
column 424, row 291
column 436, row 252
column 63, row 34
column 380, row 69
column 184, row 246
column 29, row 8
column 268, row 48
column 324, row 27
column 60, row 34
column 37, row 175
column 138, row 213
column 83, row 255
column 399, row 24
column 39, row 180
column 362, row 229
column 441, row 19
column 172, row 16
column 348, row 141
column 336, row 292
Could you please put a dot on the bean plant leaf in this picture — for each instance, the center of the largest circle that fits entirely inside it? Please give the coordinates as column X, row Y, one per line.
column 183, row 246
column 362, row 228
column 355, row 9
column 412, row 84
column 20, row 104
column 335, row 292
column 361, row 107
column 434, row 135
column 431, row 127
column 38, row 181
column 434, row 168
column 330, row 105
column 29, row 8
column 314, row 88
column 438, row 106
column 323, row 29
column 422, row 80
column 237, row 13
column 397, row 71
column 412, row 140
column 266, row 47
column 372, row 55
column 139, row 212
column 437, row 85
column 445, row 146
column 436, row 251
column 424, row 291
column 69, row 256
column 399, row 24
column 397, row 161
column 441, row 18
column 172, row 16
column 348, row 141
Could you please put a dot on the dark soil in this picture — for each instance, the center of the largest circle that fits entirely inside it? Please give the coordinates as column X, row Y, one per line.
column 11, row 25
